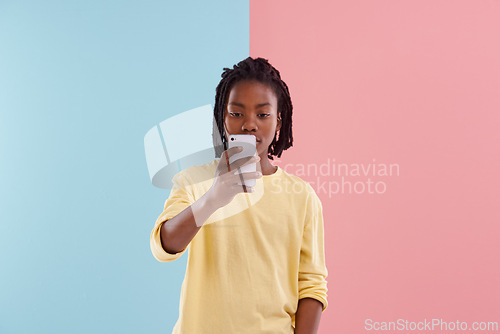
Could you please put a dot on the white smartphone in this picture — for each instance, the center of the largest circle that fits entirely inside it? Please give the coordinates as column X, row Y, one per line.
column 249, row 149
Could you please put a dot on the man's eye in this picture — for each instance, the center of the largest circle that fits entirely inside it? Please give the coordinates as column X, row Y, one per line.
column 235, row 114
column 264, row 115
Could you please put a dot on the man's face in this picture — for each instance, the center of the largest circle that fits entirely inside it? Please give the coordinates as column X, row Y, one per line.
column 252, row 108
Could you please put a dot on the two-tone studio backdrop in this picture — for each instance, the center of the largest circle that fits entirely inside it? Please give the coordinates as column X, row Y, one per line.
column 395, row 125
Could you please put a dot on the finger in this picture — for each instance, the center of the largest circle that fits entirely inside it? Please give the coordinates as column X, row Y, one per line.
column 227, row 163
column 245, row 161
column 229, row 153
column 241, row 177
column 233, row 150
column 248, row 189
column 243, row 188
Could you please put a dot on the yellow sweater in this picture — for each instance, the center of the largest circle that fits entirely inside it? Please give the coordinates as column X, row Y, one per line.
column 252, row 260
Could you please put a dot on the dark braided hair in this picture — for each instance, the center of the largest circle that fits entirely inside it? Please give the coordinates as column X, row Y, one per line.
column 260, row 70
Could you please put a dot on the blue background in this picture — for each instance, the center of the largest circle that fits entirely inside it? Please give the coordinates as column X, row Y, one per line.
column 81, row 82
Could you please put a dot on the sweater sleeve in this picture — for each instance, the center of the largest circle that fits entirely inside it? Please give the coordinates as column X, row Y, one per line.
column 312, row 267
column 180, row 198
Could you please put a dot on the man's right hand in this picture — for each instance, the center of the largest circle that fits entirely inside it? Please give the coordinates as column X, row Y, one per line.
column 225, row 186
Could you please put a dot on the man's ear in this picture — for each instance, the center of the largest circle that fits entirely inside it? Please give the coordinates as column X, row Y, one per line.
column 278, row 124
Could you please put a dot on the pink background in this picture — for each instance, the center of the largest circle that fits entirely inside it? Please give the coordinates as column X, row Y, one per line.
column 415, row 83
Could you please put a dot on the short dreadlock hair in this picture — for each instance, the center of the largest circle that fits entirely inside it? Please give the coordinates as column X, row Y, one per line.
column 260, row 70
